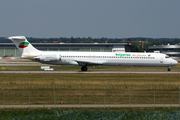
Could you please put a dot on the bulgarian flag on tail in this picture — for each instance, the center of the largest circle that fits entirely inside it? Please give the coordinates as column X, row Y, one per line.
column 23, row 44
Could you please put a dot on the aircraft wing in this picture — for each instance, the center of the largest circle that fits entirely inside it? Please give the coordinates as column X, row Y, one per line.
column 88, row 63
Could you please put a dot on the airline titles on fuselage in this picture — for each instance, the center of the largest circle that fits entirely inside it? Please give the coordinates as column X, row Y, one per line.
column 117, row 55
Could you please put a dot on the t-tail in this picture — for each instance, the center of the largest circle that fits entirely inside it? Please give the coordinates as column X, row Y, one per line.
column 26, row 49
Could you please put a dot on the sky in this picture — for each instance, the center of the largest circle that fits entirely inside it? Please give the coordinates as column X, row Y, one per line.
column 90, row 18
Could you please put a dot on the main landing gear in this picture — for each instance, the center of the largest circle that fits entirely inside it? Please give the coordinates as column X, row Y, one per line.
column 169, row 68
column 84, row 68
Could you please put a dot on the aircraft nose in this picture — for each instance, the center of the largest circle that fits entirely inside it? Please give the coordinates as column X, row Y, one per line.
column 174, row 62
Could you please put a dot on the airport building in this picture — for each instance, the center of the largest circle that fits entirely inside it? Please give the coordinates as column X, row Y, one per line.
column 9, row 49
column 172, row 50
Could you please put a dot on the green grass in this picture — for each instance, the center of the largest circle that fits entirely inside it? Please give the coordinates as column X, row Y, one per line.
column 93, row 113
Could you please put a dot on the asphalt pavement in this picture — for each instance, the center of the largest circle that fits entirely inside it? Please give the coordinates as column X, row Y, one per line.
column 98, row 72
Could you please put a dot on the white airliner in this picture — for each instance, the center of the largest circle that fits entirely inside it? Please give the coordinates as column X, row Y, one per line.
column 85, row 59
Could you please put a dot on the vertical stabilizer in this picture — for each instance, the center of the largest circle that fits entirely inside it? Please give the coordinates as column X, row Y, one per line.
column 23, row 45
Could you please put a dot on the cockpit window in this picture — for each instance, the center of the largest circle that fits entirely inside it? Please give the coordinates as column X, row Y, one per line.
column 167, row 56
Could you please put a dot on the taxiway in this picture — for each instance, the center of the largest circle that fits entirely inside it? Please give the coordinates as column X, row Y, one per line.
column 97, row 72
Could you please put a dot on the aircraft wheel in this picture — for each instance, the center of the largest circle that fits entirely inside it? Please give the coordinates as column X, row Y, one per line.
column 83, row 68
column 169, row 69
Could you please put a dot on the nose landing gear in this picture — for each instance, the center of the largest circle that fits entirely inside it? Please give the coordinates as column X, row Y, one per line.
column 169, row 68
column 84, row 68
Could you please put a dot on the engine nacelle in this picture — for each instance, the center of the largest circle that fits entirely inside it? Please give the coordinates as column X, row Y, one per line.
column 48, row 58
